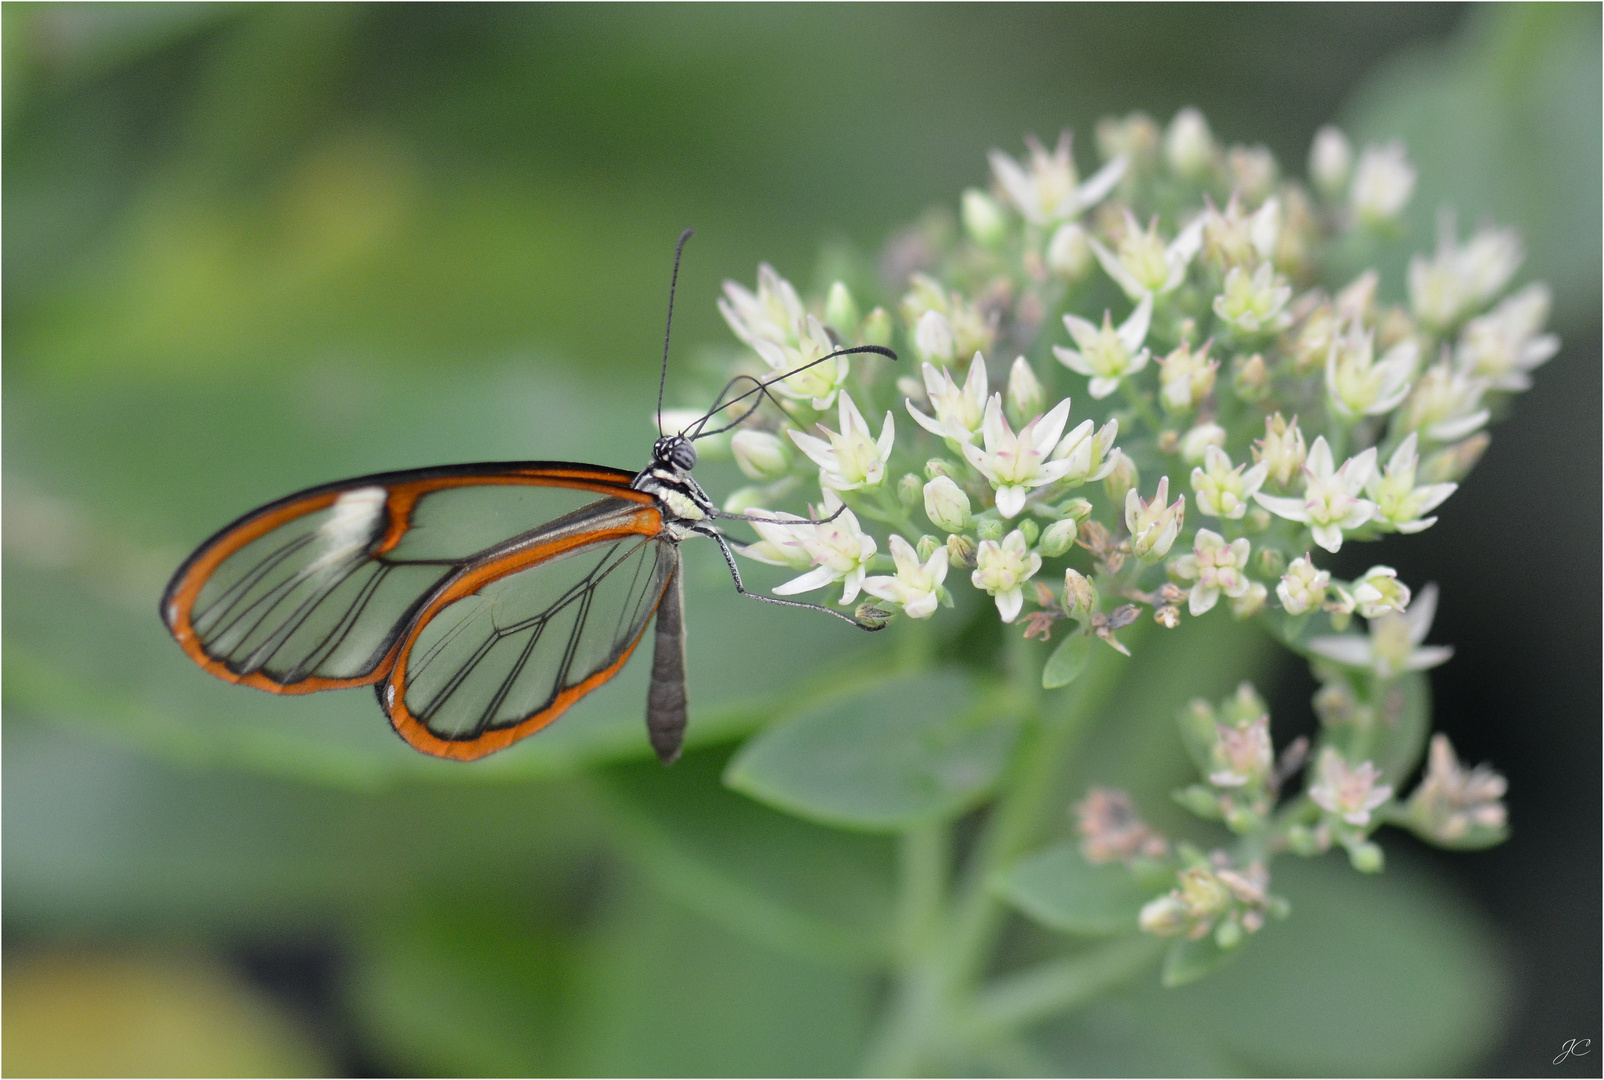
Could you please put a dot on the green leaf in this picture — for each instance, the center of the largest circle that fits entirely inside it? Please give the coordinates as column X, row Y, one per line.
column 664, row 993
column 1393, row 974
column 904, row 753
column 1189, row 961
column 782, row 883
column 1060, row 889
column 1064, row 665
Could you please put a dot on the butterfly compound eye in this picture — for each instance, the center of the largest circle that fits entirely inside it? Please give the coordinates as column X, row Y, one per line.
column 682, row 454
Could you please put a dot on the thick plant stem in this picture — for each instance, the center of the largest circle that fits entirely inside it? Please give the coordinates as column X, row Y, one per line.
column 928, row 1012
column 1022, row 998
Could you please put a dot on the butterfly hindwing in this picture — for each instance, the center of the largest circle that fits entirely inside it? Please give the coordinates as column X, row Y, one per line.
column 317, row 590
column 503, row 648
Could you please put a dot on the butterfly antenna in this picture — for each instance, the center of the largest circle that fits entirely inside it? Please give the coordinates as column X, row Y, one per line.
column 662, row 380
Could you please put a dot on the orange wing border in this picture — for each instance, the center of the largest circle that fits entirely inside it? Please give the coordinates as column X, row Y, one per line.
column 403, row 489
column 646, row 521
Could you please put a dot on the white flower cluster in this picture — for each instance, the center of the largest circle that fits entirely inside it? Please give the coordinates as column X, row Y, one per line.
column 1167, row 324
column 1300, row 415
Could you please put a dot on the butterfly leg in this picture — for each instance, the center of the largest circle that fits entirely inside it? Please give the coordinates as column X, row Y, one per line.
column 740, row 586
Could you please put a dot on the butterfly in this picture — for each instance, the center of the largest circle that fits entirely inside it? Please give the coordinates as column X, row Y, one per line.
column 480, row 601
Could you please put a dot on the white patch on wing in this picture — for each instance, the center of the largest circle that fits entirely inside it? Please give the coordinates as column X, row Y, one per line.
column 349, row 527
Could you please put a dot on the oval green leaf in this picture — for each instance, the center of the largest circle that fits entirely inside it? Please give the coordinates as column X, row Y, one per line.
column 904, row 753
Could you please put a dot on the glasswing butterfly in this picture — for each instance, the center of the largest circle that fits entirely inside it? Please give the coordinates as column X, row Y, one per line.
column 480, row 601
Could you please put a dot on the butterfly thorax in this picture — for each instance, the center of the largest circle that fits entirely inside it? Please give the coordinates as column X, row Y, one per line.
column 668, row 480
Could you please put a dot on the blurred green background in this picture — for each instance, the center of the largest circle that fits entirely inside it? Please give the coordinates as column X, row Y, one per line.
column 253, row 248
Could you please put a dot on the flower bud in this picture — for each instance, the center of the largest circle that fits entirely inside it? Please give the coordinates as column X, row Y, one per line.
column 1330, row 160
column 840, row 311
column 1379, row 592
column 941, row 467
column 1058, row 538
column 760, row 455
column 909, row 489
column 1025, row 394
column 1031, row 532
column 1189, row 145
column 1153, row 525
column 872, row 615
column 745, row 500
column 1251, row 602
column 961, row 552
column 1250, row 378
column 933, row 338
column 1453, row 463
column 1077, row 508
column 1271, row 562
column 1366, row 857
column 1258, row 520
column 1186, row 378
column 946, row 505
column 1302, row 840
column 1200, row 801
column 983, row 219
column 1382, row 183
column 877, row 327
column 1195, row 443
column 1069, row 256
column 1252, row 171
column 1282, row 449
column 989, row 528
column 1080, row 595
column 926, row 547
column 1122, row 478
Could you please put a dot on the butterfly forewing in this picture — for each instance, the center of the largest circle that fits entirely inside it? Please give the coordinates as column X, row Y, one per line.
column 504, row 648
column 317, row 590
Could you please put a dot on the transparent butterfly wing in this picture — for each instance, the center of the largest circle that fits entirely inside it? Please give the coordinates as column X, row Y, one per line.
column 509, row 644
column 317, row 591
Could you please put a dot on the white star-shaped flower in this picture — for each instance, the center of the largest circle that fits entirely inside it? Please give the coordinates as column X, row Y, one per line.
column 1357, row 384
column 1144, row 265
column 839, row 550
column 1393, row 645
column 1216, row 567
column 1400, row 505
column 1002, row 570
column 1018, row 464
column 851, row 459
column 1330, row 502
column 1048, row 190
column 1222, row 491
column 1351, row 792
column 916, row 585
column 1107, row 355
column 959, row 409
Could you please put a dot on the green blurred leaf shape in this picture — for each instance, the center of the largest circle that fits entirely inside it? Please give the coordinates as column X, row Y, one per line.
column 644, row 988
column 121, row 842
column 1188, row 961
column 1061, row 890
column 477, row 989
column 1372, row 975
column 1064, row 665
column 1505, row 121
column 918, row 749
column 821, row 894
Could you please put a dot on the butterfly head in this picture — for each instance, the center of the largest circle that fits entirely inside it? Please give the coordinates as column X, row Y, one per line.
column 674, row 452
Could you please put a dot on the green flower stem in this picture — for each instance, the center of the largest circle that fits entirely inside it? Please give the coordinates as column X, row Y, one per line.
column 933, row 998
column 1144, row 408
column 1023, row 998
column 924, row 856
